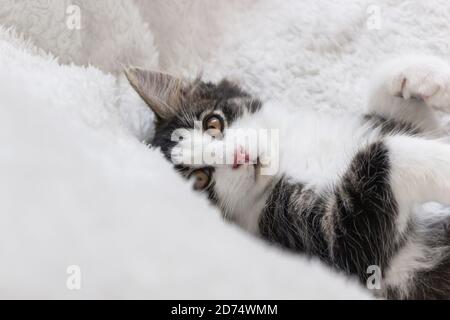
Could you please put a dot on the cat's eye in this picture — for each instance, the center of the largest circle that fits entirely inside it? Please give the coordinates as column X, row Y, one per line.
column 213, row 124
column 202, row 177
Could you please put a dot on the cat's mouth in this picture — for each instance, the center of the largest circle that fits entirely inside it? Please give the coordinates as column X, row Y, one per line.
column 256, row 164
column 244, row 159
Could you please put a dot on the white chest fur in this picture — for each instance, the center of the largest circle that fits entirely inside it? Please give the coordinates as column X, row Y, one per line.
column 314, row 148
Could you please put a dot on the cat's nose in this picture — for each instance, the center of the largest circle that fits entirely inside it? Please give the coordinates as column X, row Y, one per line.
column 240, row 157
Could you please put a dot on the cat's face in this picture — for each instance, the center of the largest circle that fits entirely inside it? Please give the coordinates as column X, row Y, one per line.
column 211, row 135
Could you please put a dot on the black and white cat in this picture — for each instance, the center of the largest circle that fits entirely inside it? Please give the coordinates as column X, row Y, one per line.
column 345, row 187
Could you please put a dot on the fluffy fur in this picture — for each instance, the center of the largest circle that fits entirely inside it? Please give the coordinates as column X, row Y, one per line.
column 344, row 188
column 79, row 188
column 272, row 47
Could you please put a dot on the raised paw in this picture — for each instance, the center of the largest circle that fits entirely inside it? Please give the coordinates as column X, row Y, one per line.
column 424, row 78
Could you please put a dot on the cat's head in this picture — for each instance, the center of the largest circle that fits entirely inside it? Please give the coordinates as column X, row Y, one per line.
column 211, row 134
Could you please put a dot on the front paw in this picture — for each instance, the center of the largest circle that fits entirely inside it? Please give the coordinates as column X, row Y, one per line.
column 425, row 78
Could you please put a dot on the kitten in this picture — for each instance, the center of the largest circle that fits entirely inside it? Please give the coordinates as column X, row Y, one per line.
column 343, row 189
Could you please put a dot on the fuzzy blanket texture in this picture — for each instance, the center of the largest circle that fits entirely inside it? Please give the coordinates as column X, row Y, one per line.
column 79, row 188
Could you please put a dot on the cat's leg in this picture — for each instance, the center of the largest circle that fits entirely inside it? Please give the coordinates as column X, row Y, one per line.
column 419, row 172
column 369, row 211
column 411, row 89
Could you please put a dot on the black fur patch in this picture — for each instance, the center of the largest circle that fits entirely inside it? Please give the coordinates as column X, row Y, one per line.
column 366, row 211
column 292, row 219
column 390, row 126
column 362, row 209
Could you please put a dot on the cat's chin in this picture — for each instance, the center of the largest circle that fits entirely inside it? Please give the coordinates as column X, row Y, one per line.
column 256, row 167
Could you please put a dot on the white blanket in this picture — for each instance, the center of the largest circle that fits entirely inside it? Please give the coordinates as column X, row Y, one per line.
column 79, row 188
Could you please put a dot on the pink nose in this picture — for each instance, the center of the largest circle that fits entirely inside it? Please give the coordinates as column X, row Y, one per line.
column 240, row 157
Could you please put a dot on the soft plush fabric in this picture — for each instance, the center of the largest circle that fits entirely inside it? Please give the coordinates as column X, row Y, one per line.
column 107, row 34
column 79, row 188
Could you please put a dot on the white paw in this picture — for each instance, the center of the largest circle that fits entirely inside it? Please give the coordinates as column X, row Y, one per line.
column 426, row 79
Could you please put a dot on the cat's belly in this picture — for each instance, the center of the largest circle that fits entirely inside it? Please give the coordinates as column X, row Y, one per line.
column 319, row 149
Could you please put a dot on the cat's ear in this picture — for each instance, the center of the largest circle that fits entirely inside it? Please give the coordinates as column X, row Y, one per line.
column 163, row 93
